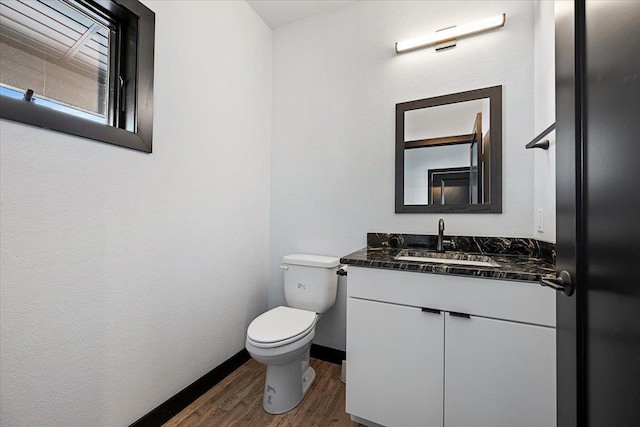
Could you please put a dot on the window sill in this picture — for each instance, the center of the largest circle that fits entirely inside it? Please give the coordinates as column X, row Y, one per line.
column 32, row 114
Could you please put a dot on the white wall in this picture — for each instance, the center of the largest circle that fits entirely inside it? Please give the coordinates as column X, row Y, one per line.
column 336, row 80
column 126, row 276
column 545, row 114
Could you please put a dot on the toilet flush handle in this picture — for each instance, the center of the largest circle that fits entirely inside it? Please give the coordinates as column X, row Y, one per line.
column 284, row 266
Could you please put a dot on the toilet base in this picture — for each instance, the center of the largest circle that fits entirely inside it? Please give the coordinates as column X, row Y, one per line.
column 286, row 385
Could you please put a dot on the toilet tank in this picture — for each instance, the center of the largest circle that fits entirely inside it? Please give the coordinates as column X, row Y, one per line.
column 310, row 281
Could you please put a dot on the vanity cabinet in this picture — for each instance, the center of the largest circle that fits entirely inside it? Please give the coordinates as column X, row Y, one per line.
column 437, row 350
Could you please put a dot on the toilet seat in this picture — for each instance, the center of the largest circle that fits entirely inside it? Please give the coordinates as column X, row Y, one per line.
column 280, row 326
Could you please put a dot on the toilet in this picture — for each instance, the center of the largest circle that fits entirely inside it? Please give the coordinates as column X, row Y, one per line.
column 281, row 337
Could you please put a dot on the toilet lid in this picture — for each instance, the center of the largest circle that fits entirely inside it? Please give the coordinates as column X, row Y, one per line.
column 280, row 323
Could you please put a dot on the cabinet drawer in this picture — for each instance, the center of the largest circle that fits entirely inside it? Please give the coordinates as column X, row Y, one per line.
column 499, row 299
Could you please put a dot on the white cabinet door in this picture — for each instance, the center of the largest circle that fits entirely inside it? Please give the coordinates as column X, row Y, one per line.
column 395, row 366
column 499, row 374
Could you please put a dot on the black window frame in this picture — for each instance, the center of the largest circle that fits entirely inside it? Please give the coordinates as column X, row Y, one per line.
column 131, row 57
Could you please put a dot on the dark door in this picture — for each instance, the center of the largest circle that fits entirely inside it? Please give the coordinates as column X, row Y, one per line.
column 598, row 212
column 448, row 186
column 568, row 175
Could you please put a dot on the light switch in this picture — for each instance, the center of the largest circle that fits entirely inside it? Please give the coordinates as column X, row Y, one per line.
column 540, row 221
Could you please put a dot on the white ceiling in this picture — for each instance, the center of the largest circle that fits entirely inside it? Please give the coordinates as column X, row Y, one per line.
column 278, row 13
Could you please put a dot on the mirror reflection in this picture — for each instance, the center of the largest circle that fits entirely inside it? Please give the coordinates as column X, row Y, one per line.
column 447, row 152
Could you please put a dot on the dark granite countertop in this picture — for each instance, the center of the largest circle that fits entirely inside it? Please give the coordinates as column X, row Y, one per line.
column 518, row 259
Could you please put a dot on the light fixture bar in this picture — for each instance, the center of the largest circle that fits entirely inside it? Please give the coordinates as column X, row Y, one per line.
column 452, row 33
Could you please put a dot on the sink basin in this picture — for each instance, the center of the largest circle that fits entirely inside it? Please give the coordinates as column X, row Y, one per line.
column 445, row 258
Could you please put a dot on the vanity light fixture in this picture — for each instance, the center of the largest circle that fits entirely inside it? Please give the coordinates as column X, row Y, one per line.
column 449, row 35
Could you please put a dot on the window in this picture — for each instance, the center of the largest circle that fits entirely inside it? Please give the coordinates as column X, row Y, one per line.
column 83, row 67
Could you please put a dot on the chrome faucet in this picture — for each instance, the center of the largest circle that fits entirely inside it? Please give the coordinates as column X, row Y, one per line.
column 439, row 247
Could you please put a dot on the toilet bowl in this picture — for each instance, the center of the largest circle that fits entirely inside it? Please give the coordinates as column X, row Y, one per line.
column 281, row 338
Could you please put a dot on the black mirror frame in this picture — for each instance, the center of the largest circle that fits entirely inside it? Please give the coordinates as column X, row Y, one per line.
column 494, row 93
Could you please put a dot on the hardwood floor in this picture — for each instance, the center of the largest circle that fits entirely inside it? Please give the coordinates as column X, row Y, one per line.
column 237, row 401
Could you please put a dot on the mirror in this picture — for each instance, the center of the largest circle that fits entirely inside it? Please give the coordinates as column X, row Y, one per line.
column 449, row 153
